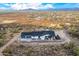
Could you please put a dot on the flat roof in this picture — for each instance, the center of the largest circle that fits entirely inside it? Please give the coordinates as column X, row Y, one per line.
column 38, row 33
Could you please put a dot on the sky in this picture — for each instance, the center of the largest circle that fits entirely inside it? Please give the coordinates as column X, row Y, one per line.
column 37, row 6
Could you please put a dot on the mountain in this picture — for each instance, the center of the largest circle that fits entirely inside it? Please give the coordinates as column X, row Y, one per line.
column 61, row 9
column 68, row 9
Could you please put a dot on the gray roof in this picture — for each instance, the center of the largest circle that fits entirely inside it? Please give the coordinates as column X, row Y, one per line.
column 37, row 33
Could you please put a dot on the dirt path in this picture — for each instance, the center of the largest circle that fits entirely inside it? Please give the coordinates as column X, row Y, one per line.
column 64, row 35
column 9, row 43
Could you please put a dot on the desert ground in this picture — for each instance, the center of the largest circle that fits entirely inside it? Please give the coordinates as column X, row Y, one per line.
column 65, row 23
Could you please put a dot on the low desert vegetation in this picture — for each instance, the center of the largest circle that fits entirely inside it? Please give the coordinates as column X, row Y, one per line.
column 32, row 21
column 7, row 32
column 42, row 50
column 74, row 31
column 2, row 38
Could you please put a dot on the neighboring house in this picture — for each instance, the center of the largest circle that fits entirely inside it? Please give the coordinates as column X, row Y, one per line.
column 37, row 35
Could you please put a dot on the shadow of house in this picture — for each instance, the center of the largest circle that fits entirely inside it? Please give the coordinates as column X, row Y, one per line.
column 37, row 35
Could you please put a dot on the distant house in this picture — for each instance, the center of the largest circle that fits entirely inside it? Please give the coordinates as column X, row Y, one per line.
column 37, row 35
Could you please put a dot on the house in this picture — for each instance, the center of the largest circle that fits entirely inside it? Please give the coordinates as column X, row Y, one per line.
column 37, row 35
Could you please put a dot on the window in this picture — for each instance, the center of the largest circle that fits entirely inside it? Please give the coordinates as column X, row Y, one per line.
column 28, row 36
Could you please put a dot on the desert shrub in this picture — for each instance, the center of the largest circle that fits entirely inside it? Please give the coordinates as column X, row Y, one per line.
column 2, row 34
column 7, row 52
column 76, row 51
column 72, row 49
column 21, row 46
column 29, row 51
column 15, row 30
column 1, row 42
column 74, row 31
column 69, row 46
column 2, row 38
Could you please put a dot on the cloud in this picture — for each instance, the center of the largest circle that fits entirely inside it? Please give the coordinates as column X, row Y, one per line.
column 21, row 6
column 49, row 6
column 37, row 6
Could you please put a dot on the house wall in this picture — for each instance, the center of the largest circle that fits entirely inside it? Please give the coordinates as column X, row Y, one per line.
column 42, row 37
column 25, row 39
column 35, row 38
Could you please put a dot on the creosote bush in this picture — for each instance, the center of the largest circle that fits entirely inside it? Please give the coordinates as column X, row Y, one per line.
column 8, row 52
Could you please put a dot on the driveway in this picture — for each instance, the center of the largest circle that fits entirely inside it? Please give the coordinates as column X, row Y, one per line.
column 63, row 35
